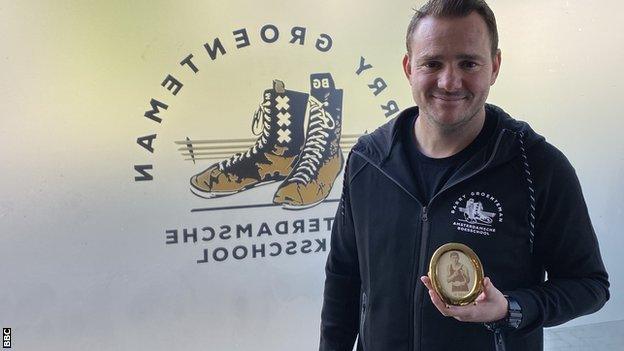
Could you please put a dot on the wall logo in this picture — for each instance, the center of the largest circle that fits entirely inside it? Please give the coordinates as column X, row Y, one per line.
column 298, row 145
column 477, row 213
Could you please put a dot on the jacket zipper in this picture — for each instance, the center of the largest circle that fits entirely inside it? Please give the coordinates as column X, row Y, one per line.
column 424, row 243
column 363, row 319
column 499, row 341
column 418, row 289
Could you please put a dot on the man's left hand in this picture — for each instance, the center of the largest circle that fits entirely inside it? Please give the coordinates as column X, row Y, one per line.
column 491, row 305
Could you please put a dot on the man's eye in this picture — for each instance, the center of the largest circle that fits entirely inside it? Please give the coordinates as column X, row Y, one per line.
column 469, row 64
column 431, row 64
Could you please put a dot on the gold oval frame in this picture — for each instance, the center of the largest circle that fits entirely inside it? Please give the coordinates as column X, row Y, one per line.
column 477, row 285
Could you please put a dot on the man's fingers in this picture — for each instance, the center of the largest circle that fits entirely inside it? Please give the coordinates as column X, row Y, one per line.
column 438, row 303
column 477, row 312
column 461, row 313
column 487, row 284
column 487, row 290
column 480, row 298
column 435, row 298
column 426, row 281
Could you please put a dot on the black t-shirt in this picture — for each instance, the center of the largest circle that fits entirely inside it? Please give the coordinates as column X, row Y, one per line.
column 431, row 174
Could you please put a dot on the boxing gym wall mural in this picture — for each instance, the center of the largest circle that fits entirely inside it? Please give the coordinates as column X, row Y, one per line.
column 290, row 149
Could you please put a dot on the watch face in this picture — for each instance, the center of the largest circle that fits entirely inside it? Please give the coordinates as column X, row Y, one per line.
column 456, row 274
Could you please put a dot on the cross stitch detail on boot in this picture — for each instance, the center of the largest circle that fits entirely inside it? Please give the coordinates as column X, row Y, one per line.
column 278, row 123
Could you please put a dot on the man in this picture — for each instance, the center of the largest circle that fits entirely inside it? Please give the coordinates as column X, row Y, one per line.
column 457, row 275
column 455, row 169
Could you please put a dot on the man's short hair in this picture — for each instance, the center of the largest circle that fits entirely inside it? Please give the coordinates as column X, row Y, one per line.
column 455, row 8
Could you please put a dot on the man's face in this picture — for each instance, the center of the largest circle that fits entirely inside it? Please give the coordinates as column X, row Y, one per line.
column 451, row 69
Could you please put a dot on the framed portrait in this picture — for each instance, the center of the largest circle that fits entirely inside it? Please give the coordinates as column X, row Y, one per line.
column 456, row 274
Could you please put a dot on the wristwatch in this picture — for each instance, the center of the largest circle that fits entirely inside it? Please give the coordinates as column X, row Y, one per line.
column 511, row 321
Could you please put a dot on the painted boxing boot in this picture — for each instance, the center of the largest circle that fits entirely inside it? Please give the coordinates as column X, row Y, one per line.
column 279, row 125
column 321, row 159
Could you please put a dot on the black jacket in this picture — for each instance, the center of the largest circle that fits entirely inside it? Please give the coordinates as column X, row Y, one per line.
column 384, row 236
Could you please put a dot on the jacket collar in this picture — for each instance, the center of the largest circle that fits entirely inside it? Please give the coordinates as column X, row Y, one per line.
column 385, row 148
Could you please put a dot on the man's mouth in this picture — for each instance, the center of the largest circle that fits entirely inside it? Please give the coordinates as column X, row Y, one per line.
column 449, row 98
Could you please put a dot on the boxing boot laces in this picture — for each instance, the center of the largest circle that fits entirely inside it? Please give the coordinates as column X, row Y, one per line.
column 321, row 159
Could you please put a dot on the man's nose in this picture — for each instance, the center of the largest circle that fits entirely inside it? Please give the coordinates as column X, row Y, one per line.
column 450, row 79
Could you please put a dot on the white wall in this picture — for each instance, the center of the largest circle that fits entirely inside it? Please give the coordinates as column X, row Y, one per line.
column 82, row 245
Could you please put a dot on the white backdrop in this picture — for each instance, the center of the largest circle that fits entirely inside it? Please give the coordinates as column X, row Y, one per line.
column 83, row 245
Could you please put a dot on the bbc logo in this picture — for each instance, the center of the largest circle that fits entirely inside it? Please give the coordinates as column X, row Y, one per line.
column 6, row 338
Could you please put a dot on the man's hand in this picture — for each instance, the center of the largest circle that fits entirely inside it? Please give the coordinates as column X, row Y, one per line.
column 490, row 305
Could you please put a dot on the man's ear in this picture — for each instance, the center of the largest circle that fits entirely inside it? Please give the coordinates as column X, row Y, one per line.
column 496, row 63
column 407, row 66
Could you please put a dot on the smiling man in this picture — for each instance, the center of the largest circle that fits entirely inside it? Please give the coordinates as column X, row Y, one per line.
column 455, row 169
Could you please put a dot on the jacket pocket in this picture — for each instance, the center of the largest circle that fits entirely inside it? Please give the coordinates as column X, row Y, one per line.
column 363, row 319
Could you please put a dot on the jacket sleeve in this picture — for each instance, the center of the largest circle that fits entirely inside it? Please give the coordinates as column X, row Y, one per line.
column 339, row 317
column 566, row 246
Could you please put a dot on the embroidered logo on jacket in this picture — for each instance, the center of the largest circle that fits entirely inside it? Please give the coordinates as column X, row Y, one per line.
column 477, row 213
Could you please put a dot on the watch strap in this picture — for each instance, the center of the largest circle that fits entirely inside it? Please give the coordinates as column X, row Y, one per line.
column 511, row 321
